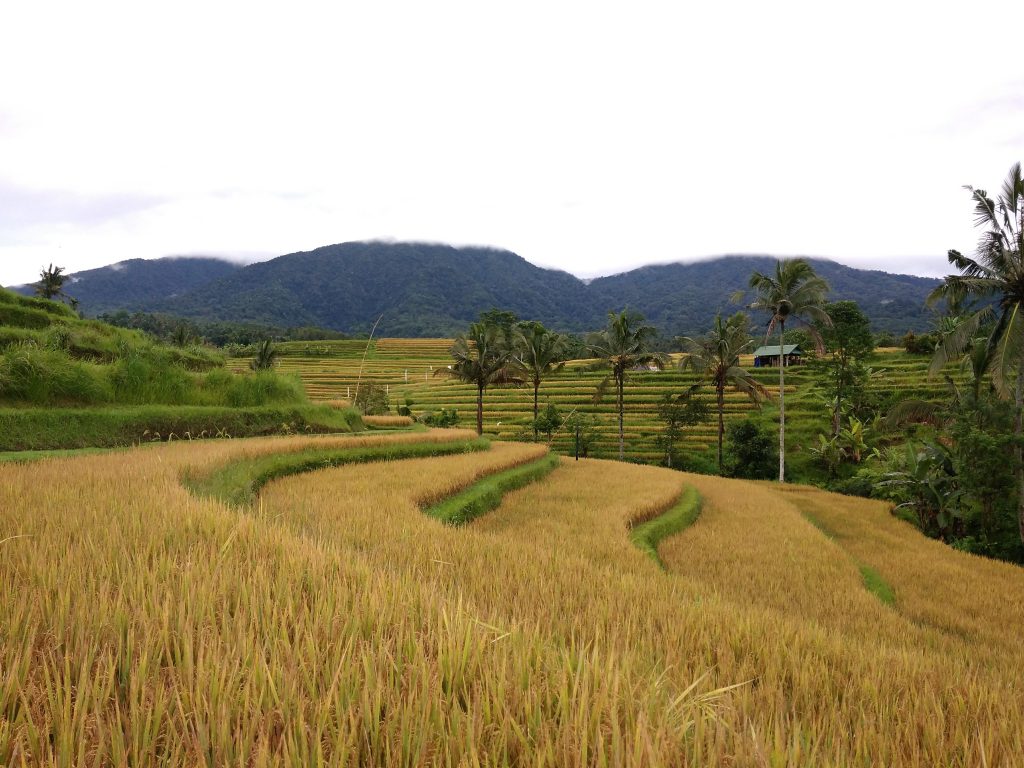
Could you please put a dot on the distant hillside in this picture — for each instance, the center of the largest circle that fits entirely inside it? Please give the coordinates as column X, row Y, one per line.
column 138, row 284
column 422, row 289
column 417, row 289
column 683, row 297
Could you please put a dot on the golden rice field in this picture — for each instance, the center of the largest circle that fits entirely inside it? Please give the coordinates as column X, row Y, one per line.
column 334, row 623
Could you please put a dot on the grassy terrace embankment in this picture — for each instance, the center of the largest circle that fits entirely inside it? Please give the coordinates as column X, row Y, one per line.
column 330, row 370
column 70, row 383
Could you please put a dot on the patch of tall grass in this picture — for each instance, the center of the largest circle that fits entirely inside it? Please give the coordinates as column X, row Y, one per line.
column 648, row 534
column 486, row 494
column 38, row 375
column 27, row 429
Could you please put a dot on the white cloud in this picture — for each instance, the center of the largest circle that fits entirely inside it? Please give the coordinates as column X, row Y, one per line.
column 587, row 136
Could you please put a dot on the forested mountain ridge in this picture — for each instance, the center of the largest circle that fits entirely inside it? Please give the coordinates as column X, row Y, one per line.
column 420, row 289
column 685, row 296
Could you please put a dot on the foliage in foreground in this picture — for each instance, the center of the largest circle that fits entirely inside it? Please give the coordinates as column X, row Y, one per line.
column 144, row 625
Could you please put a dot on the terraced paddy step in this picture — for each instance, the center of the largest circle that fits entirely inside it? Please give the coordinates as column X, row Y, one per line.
column 406, row 368
column 336, row 623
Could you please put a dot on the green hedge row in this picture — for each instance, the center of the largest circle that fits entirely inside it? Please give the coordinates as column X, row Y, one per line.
column 485, row 495
column 648, row 535
column 23, row 429
column 238, row 483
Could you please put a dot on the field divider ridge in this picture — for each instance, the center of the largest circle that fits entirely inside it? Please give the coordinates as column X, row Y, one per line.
column 486, row 494
column 873, row 581
column 646, row 535
column 239, row 482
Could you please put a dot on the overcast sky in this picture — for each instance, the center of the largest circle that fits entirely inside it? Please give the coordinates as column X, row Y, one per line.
column 588, row 136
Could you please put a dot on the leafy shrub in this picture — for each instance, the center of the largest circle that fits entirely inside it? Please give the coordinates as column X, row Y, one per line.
column 264, row 388
column 752, row 450
column 372, row 399
column 919, row 344
column 885, row 339
column 700, row 462
column 445, row 419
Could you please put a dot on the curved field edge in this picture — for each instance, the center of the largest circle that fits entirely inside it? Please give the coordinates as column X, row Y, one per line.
column 873, row 581
column 647, row 535
column 486, row 494
column 238, row 482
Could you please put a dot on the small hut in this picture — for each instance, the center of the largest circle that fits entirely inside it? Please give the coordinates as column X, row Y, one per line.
column 768, row 357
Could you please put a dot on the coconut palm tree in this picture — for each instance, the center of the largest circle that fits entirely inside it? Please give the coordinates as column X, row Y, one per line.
column 539, row 353
column 481, row 357
column 621, row 347
column 715, row 358
column 51, row 282
column 995, row 274
column 266, row 356
column 793, row 294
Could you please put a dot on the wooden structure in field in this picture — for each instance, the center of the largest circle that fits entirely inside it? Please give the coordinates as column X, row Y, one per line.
column 768, row 357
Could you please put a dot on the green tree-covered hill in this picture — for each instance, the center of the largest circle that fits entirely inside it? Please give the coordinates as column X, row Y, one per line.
column 420, row 289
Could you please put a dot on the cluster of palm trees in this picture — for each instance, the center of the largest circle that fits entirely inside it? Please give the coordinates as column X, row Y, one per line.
column 501, row 353
column 991, row 335
column 492, row 353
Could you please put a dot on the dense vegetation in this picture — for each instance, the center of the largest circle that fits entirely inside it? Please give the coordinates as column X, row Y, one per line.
column 232, row 337
column 137, row 284
column 422, row 290
column 68, row 382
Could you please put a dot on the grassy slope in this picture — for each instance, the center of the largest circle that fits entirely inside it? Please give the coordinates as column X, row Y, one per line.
column 337, row 623
column 68, row 383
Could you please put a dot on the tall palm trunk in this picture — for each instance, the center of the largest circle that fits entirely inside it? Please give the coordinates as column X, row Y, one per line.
column 837, row 411
column 782, row 405
column 536, row 393
column 619, row 378
column 721, row 422
column 479, row 409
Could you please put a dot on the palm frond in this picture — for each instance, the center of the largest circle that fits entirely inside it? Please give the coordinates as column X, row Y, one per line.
column 913, row 412
column 953, row 344
column 1008, row 351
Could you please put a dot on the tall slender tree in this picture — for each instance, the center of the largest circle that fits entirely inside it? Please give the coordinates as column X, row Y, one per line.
column 624, row 345
column 792, row 294
column 51, row 282
column 715, row 358
column 481, row 357
column 539, row 353
column 996, row 273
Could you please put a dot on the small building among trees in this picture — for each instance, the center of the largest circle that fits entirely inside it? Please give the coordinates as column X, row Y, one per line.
column 768, row 356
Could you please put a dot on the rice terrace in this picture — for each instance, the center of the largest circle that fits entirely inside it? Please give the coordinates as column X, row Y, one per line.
column 298, row 467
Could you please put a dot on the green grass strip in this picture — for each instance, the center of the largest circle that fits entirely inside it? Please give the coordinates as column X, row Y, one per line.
column 239, row 482
column 486, row 494
column 873, row 581
column 876, row 585
column 26, row 457
column 684, row 513
column 38, row 429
